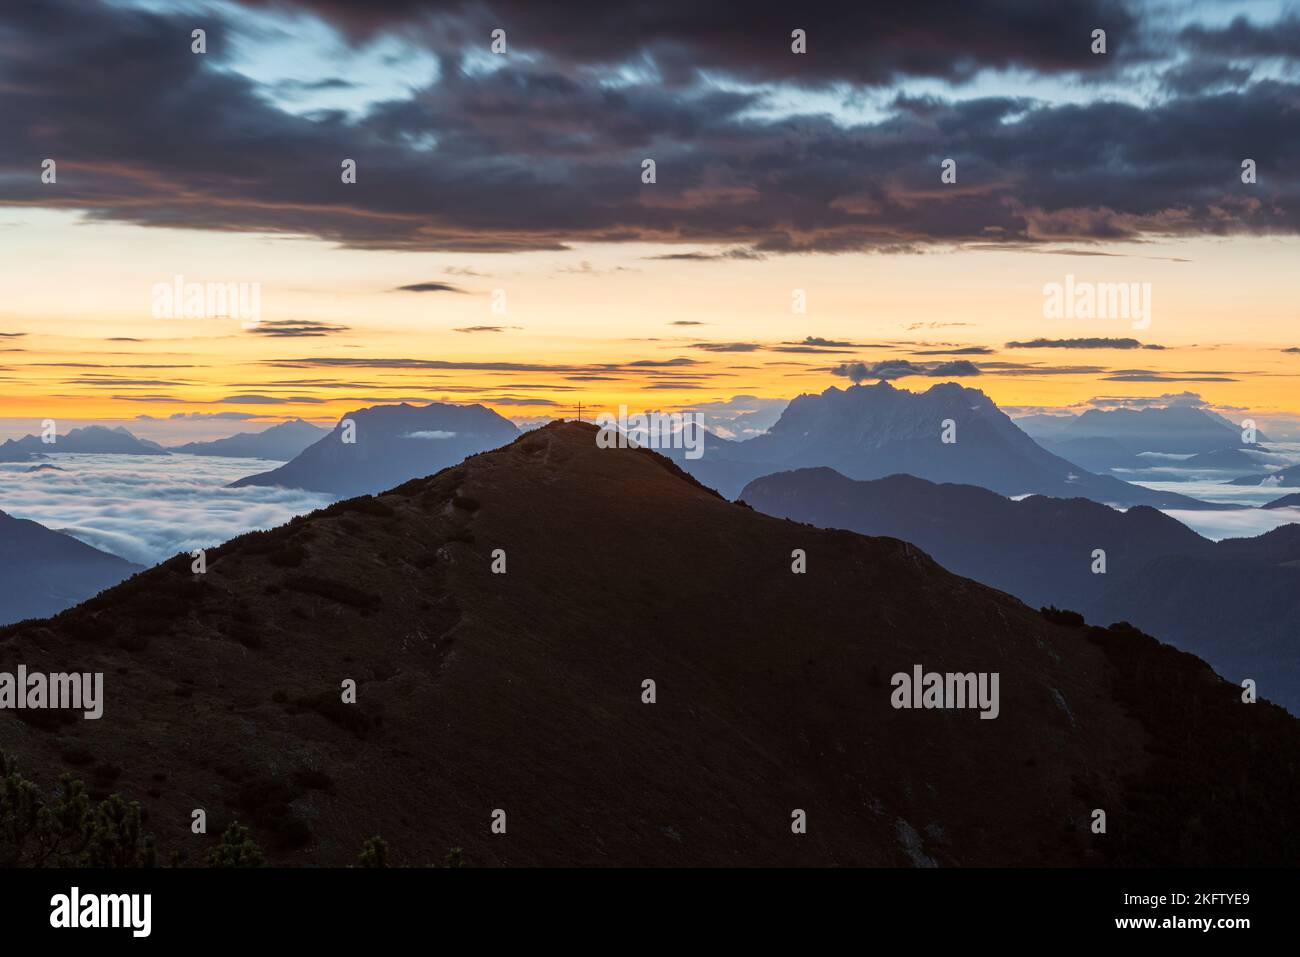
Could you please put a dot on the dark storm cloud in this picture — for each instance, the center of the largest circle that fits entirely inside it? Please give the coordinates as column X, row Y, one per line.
column 541, row 154
column 1199, row 76
column 1243, row 38
column 862, row 43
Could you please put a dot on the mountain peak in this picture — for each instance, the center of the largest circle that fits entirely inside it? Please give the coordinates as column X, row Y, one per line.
column 501, row 618
column 381, row 446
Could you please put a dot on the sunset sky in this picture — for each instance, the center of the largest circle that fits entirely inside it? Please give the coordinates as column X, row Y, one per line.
column 521, row 172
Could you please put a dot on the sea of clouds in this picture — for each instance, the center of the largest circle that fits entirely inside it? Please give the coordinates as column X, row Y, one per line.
column 1245, row 523
column 147, row 508
column 1213, row 486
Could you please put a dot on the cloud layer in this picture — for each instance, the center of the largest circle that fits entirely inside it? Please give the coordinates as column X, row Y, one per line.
column 148, row 508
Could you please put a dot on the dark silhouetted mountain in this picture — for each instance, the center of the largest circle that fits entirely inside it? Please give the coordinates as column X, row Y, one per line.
column 279, row 443
column 1038, row 549
column 524, row 690
column 1286, row 501
column 869, row 432
column 43, row 468
column 393, row 443
column 92, row 438
column 1288, row 477
column 1041, row 550
column 43, row 572
column 1240, row 613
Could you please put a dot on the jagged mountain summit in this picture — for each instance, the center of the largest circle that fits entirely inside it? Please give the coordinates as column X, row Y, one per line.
column 279, row 443
column 871, row 431
column 376, row 448
column 629, row 668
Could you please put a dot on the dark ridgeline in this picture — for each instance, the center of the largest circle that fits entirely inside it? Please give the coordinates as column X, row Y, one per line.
column 1235, row 603
column 522, row 691
column 869, row 432
column 393, row 443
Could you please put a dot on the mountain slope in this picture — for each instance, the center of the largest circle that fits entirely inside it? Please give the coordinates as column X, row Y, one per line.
column 1160, row 575
column 393, row 443
column 1039, row 549
column 1286, row 501
column 43, row 572
column 869, row 432
column 523, row 691
column 1288, row 477
column 279, row 443
column 1200, row 600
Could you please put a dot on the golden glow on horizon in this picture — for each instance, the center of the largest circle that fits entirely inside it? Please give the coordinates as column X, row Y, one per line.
column 74, row 288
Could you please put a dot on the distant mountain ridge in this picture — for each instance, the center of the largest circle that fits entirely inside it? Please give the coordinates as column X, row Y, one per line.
column 97, row 439
column 43, row 571
column 1175, row 429
column 393, row 443
column 1286, row 501
column 1288, row 477
column 869, row 432
column 278, row 443
column 1159, row 574
column 1105, row 439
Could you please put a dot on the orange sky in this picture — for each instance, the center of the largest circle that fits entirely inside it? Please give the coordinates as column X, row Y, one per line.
column 1224, row 309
